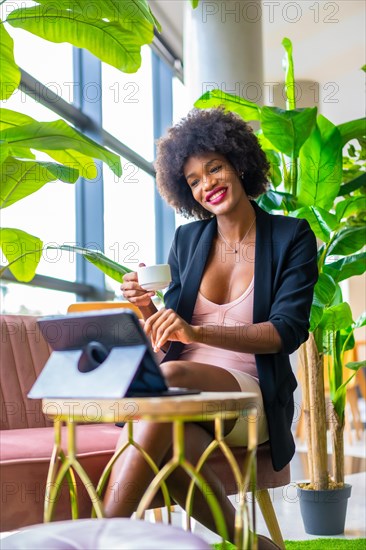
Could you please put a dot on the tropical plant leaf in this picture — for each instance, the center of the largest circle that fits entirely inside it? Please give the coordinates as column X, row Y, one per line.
column 75, row 159
column 100, row 260
column 321, row 221
column 320, row 174
column 290, row 75
column 347, row 241
column 56, row 136
column 107, row 40
column 338, row 296
column 337, row 317
column 324, row 290
column 22, row 178
column 361, row 321
column 126, row 12
column 9, row 118
column 316, row 314
column 274, row 160
column 276, row 200
column 346, row 267
column 216, row 98
column 351, row 130
column 288, row 130
column 4, row 151
column 339, row 400
column 10, row 72
column 352, row 185
column 356, row 365
column 350, row 207
column 111, row 268
column 23, row 252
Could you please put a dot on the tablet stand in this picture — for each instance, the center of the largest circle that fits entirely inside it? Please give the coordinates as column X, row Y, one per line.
column 126, row 369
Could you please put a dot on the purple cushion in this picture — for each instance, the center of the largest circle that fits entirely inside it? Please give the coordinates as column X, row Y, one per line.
column 100, row 534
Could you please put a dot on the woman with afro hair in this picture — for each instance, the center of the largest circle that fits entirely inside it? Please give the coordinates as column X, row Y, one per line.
column 238, row 304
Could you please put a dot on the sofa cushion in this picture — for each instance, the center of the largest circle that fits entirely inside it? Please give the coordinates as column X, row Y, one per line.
column 25, row 456
column 24, row 353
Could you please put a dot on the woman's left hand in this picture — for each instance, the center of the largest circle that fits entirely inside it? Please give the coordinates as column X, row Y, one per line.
column 166, row 325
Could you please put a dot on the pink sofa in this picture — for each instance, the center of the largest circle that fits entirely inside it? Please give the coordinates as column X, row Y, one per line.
column 26, row 437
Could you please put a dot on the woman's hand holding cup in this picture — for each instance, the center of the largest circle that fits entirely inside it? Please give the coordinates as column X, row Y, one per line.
column 133, row 292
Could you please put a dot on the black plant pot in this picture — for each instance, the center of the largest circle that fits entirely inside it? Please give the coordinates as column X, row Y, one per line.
column 324, row 512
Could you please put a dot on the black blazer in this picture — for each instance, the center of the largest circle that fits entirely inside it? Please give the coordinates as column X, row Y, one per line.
column 284, row 278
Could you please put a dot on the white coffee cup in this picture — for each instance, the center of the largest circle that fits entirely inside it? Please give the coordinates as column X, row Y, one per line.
column 154, row 277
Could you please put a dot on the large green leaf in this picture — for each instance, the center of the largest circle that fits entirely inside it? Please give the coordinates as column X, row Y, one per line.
column 320, row 174
column 288, row 130
column 356, row 365
column 9, row 119
column 352, row 185
column 350, row 207
column 108, row 40
column 10, row 73
column 23, row 252
column 126, row 11
column 346, row 267
column 102, row 262
column 4, row 152
column 347, row 241
column 316, row 314
column 353, row 129
column 216, row 98
column 57, row 136
column 290, row 76
column 361, row 321
column 274, row 160
column 339, row 399
column 81, row 162
column 321, row 221
column 276, row 200
column 337, row 317
column 324, row 290
column 22, row 178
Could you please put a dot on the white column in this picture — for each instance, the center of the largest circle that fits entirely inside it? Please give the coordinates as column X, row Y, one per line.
column 223, row 48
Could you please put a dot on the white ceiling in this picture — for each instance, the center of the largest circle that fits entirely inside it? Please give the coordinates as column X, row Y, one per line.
column 328, row 40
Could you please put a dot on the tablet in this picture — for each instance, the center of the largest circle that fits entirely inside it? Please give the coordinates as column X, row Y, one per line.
column 99, row 354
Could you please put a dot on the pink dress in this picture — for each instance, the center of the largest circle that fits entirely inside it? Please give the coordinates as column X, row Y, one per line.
column 239, row 312
column 242, row 366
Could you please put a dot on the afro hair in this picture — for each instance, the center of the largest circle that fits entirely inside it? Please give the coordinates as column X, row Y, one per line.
column 202, row 131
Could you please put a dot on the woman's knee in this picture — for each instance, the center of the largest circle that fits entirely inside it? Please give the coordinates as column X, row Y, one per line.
column 175, row 373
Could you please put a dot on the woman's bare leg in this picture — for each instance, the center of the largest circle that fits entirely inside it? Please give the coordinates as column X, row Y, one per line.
column 196, row 441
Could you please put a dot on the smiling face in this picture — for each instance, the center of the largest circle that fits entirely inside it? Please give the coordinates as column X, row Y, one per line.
column 214, row 182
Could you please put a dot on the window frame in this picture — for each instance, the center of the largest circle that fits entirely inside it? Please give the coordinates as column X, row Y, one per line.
column 90, row 283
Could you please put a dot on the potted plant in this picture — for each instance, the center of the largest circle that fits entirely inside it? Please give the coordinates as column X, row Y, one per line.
column 311, row 179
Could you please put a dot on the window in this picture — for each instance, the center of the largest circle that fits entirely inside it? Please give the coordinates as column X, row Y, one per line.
column 129, row 218
column 24, row 299
column 48, row 62
column 52, row 213
column 128, row 105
